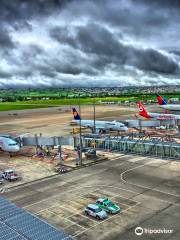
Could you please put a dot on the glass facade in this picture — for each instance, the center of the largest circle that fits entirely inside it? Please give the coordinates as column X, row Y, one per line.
column 141, row 147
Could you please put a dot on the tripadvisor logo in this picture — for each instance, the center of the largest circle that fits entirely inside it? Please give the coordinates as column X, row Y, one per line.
column 139, row 231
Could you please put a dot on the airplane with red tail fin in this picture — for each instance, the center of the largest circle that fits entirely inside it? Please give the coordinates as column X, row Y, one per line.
column 158, row 116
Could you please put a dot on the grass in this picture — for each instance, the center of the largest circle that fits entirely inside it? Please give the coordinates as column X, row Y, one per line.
column 6, row 106
column 34, row 104
column 9, row 106
column 74, row 101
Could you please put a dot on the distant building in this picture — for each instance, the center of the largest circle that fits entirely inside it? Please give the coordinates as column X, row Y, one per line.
column 45, row 98
column 174, row 99
column 102, row 102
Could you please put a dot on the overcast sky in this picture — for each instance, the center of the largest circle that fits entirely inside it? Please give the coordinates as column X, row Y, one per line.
column 89, row 43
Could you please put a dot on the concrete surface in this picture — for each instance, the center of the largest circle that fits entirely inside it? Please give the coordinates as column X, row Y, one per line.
column 146, row 189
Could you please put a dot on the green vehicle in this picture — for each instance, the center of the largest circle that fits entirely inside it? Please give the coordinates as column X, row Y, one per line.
column 107, row 205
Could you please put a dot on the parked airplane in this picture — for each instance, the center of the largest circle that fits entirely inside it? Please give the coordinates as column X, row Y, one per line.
column 163, row 102
column 11, row 144
column 101, row 126
column 157, row 116
column 8, row 144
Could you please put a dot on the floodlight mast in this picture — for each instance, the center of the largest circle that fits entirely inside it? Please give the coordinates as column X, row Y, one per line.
column 94, row 108
column 80, row 132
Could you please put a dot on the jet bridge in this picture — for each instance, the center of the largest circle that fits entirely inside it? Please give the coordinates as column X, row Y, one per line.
column 155, row 147
column 139, row 123
column 46, row 141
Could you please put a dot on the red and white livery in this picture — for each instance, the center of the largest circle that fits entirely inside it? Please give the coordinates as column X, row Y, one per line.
column 157, row 116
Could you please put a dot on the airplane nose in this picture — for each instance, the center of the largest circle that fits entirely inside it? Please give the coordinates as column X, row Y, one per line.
column 124, row 129
column 16, row 148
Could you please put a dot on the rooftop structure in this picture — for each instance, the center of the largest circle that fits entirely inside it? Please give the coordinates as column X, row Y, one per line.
column 18, row 224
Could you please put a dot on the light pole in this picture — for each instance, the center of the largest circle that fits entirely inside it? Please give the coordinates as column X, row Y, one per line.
column 94, row 128
column 80, row 133
column 94, row 108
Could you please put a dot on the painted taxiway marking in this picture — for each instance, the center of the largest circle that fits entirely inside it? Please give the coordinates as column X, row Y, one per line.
column 107, row 219
column 112, row 197
column 78, row 188
column 66, row 182
column 70, row 221
column 45, row 209
column 123, row 180
column 95, row 223
column 142, row 186
column 82, row 205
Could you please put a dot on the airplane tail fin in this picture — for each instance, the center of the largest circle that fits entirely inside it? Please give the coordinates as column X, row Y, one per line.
column 142, row 110
column 161, row 100
column 76, row 114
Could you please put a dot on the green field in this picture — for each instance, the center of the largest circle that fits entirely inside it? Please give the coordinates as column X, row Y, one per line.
column 10, row 106
column 5, row 106
column 43, row 103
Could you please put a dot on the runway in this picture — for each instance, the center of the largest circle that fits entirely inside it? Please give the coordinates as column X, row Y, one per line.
column 147, row 190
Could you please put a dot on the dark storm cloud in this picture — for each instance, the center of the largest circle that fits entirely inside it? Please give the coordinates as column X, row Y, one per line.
column 31, row 52
column 97, row 40
column 162, row 3
column 4, row 74
column 5, row 39
column 12, row 11
column 63, row 35
column 53, row 67
column 89, row 42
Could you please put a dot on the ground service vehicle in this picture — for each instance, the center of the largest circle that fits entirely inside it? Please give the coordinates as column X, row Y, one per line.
column 108, row 206
column 10, row 175
column 96, row 212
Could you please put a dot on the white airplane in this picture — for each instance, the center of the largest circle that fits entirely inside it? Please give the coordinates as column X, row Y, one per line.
column 101, row 126
column 163, row 102
column 9, row 144
column 157, row 116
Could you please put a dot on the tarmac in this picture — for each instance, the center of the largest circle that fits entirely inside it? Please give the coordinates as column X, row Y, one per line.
column 55, row 121
column 146, row 189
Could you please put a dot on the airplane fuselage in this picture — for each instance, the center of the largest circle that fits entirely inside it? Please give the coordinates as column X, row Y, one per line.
column 171, row 107
column 161, row 116
column 8, row 144
column 103, row 125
